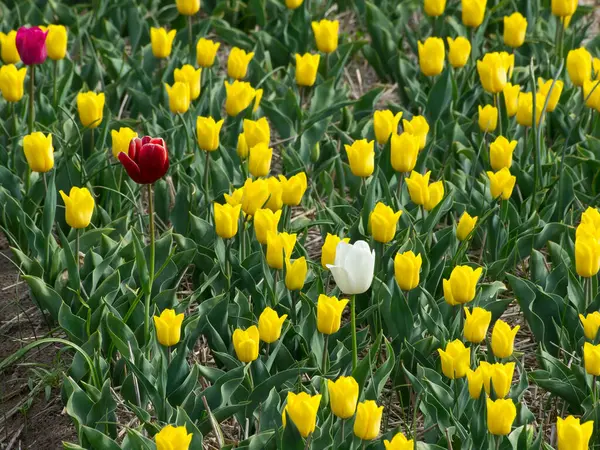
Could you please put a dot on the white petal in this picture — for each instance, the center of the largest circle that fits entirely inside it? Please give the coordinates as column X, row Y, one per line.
column 362, row 245
column 341, row 278
column 341, row 251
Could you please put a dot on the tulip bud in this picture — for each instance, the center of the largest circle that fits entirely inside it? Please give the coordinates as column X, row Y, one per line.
column 503, row 339
column 473, row 12
column 431, row 56
column 235, row 198
column 385, row 124
column 476, row 378
column 279, row 246
column 121, row 140
column 476, row 324
column 257, row 98
column 147, row 160
column 579, row 66
column 511, row 98
column 39, row 152
column 328, row 250
column 500, row 416
column 11, row 82
column 237, row 63
column 419, row 128
column 91, row 108
column 242, row 149
column 315, row 153
column 31, row 45
column 383, row 222
column 206, row 50
column 591, row 94
column 239, row 95
column 226, row 220
column 56, row 42
column 307, row 66
column 501, row 153
column 436, row 193
column 587, row 256
column 461, row 286
column 79, row 207
column 171, row 437
column 295, row 274
column 191, row 77
column 361, row 157
column 572, row 434
column 399, row 442
column 259, row 161
column 293, row 4
column 459, row 51
column 455, row 359
column 368, row 420
column 404, row 149
column 245, row 343
column 343, row 396
column 434, row 8
column 257, row 132
column 293, row 188
column 275, row 202
column 354, row 267
column 465, row 226
column 515, row 27
column 302, row 410
column 564, row 8
column 188, row 7
column 493, row 72
column 255, row 195
column 329, row 314
column 269, row 325
column 207, row 133
column 162, row 42
column 590, row 324
column 488, row 118
column 591, row 357
column 406, row 270
column 265, row 221
column 326, row 35
column 179, row 97
column 168, row 327
column 9, row 53
column 502, row 183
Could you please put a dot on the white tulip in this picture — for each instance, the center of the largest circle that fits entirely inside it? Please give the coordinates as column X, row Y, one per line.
column 353, row 267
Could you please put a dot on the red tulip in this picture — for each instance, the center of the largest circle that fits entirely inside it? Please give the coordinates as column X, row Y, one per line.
column 147, row 161
column 31, row 45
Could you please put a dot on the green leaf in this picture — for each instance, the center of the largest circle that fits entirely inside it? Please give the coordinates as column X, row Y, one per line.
column 440, row 96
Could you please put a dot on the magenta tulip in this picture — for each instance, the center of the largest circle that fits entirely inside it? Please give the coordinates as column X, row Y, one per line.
column 31, row 45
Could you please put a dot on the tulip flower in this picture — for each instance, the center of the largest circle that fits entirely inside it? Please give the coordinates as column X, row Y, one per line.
column 361, row 157
column 423, row 193
column 329, row 314
column 476, row 379
column 235, row 198
column 591, row 94
column 579, row 66
column 343, row 396
column 501, row 153
column 587, row 256
column 293, row 188
column 385, row 123
column 353, row 267
column 11, row 82
column 255, row 195
column 307, row 66
column 407, row 266
column 368, row 420
column 383, row 222
column 302, row 410
column 207, row 133
column 257, row 98
column 436, row 194
column 434, row 8
column 591, row 357
column 168, row 327
column 259, row 160
column 461, row 286
column 39, row 152
column 515, row 27
column 500, row 416
column 269, row 325
column 295, row 273
column 511, row 98
column 596, row 68
column 245, row 343
column 79, row 207
column 525, row 108
column 187, row 7
column 455, row 359
column 459, row 51
column 544, row 90
column 121, row 140
column 31, row 45
column 591, row 217
column 476, row 324
column 226, row 220
column 502, row 183
column 206, row 50
column 162, row 42
column 326, row 35
column 91, row 108
column 275, row 202
column 293, row 4
column 493, row 72
column 500, row 379
column 399, row 442
column 572, row 434
column 239, row 96
column 171, row 438
column 179, row 97
column 328, row 250
column 265, row 221
column 242, row 149
column 9, row 52
column 465, row 225
column 56, row 42
column 237, row 63
column 503, row 339
column 564, row 8
column 473, row 12
column 257, row 132
column 590, row 323
column 279, row 247
column 431, row 56
column 488, row 118
column 147, row 159
column 419, row 128
column 404, row 149
column 191, row 77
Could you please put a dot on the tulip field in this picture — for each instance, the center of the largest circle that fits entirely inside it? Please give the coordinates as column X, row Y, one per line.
column 300, row 224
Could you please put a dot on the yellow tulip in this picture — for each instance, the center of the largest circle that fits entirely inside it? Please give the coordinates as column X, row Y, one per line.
column 500, row 379
column 307, row 66
column 56, row 42
column 525, row 108
column 257, row 98
column 418, row 187
column 461, row 286
column 329, row 314
column 404, row 149
column 511, row 98
column 235, row 198
column 326, row 35
column 275, row 202
column 162, row 42
column 503, row 339
column 242, row 149
column 279, row 246
column 459, row 51
column 9, row 52
column 207, row 133
column 385, row 123
column 293, row 4
column 564, row 8
column 361, row 157
column 257, row 132
column 493, row 72
column 455, row 359
column 328, row 249
column 419, row 128
column 436, row 194
column 596, row 68
column 591, row 94
column 407, row 266
column 431, row 56
column 188, row 7
column 239, row 95
column 179, row 97
column 502, row 183
column 293, row 188
column 168, row 327
column 476, row 379
column 579, row 66
column 544, row 89
column 567, row 21
column 245, row 343
column 515, row 27
column 572, row 434
column 590, row 323
column 476, row 324
column 473, row 12
column 255, row 195
column 399, row 442
column 295, row 273
column 91, row 108
column 265, row 221
column 269, row 325
column 170, row 438
column 500, row 416
column 434, row 8
column 368, row 420
column 302, row 410
column 587, row 256
column 121, row 140
column 343, row 396
column 259, row 161
column 383, row 222
column 79, row 207
column 39, row 151
column 226, row 220
column 206, row 51
column 190, row 76
column 465, row 226
column 11, row 82
column 501, row 153
column 237, row 63
column 591, row 357
column 590, row 218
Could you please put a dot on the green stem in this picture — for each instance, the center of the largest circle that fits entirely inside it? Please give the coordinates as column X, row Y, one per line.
column 187, row 135
column 151, row 269
column 31, row 99
column 353, row 326
column 293, row 306
column 14, row 153
column 228, row 263
column 499, row 107
column 206, row 175
column 92, row 141
column 55, row 83
column 190, row 38
column 498, row 442
column 250, row 376
column 325, row 354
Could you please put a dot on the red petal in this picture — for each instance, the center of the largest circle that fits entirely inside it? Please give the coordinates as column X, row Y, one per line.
column 153, row 161
column 131, row 167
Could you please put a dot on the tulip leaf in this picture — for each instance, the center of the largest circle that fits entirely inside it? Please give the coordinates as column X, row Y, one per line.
column 440, row 96
column 99, row 440
column 122, row 337
column 46, row 297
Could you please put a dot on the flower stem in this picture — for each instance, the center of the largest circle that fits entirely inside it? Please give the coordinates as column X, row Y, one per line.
column 55, row 82
column 206, row 175
column 497, row 101
column 498, row 442
column 151, row 269
column 190, row 38
column 250, row 376
column 325, row 353
column 31, row 100
column 353, row 325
